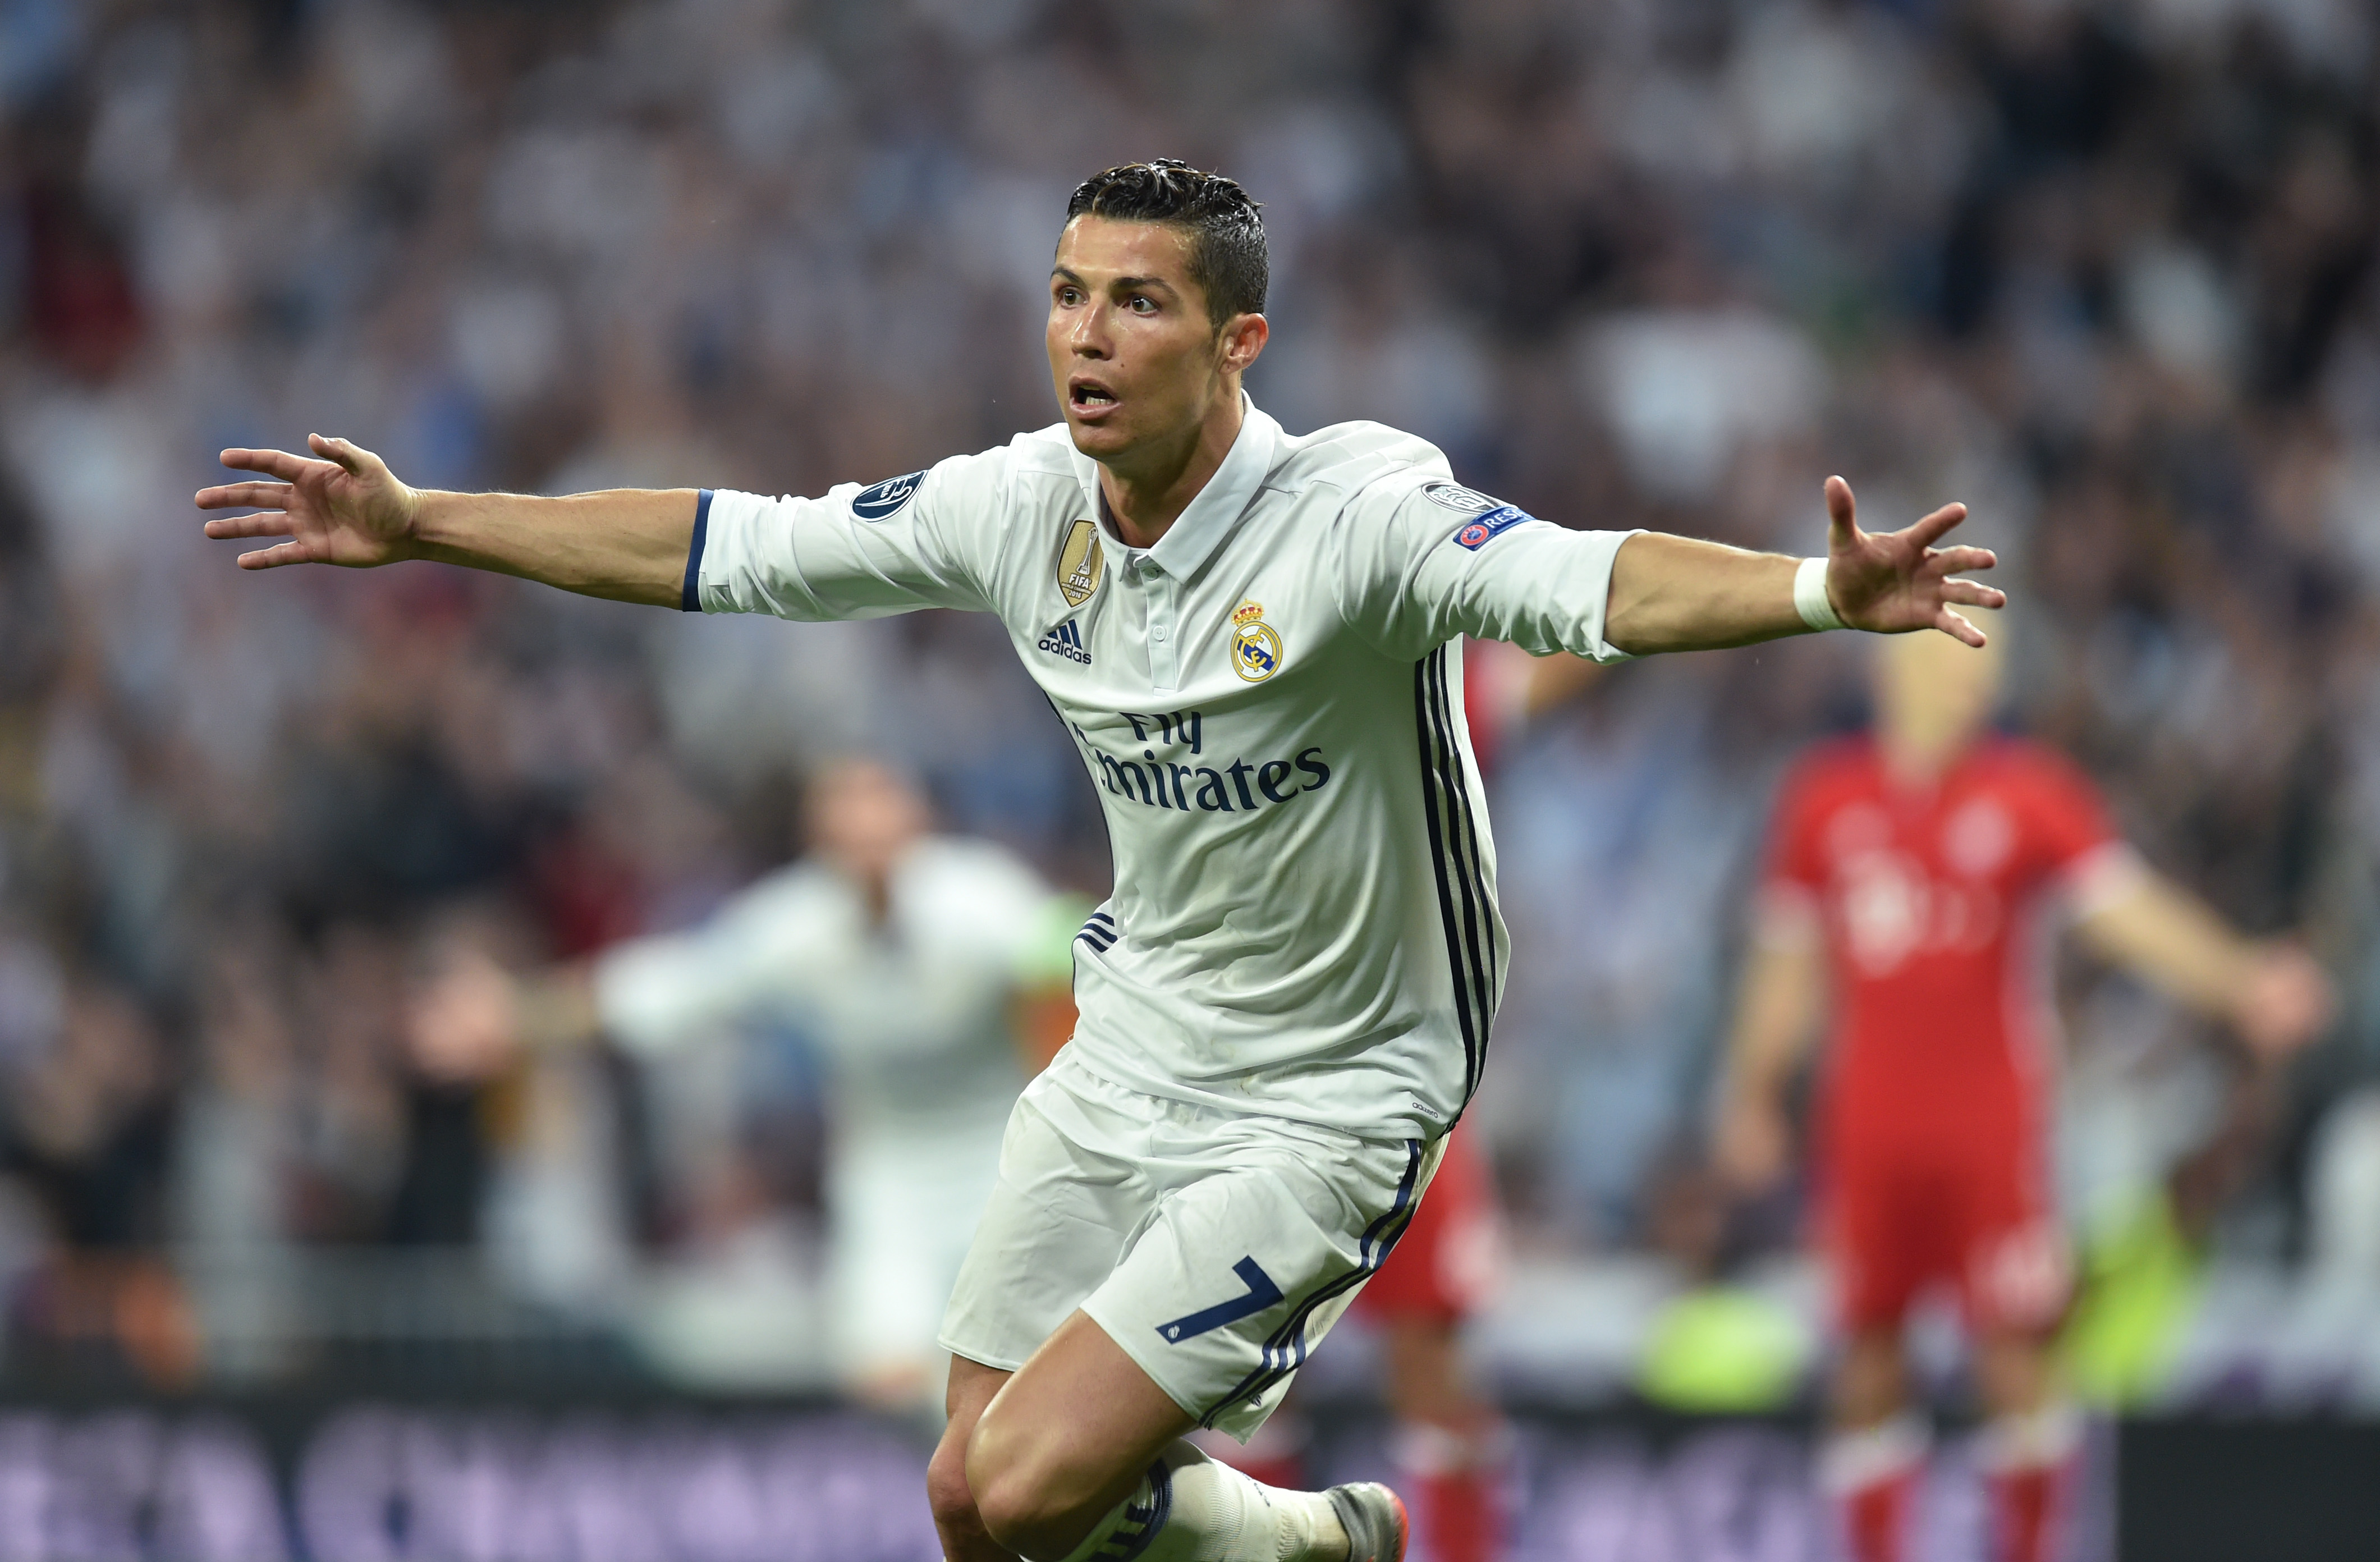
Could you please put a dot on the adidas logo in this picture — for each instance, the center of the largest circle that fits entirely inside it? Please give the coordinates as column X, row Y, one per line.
column 1066, row 640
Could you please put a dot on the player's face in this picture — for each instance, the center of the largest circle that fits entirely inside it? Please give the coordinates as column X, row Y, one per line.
column 864, row 817
column 1137, row 364
column 1932, row 693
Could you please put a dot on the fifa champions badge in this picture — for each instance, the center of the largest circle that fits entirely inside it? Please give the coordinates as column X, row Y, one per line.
column 1079, row 563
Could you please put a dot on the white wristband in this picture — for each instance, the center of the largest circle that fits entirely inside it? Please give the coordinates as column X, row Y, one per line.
column 1810, row 596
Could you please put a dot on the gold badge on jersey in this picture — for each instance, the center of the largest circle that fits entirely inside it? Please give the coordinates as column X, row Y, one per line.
column 1079, row 563
column 1255, row 650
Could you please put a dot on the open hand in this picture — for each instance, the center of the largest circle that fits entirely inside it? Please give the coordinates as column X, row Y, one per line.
column 1891, row 582
column 2286, row 1002
column 345, row 508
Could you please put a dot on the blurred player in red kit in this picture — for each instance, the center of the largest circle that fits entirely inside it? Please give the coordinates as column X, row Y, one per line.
column 1907, row 887
column 1911, row 873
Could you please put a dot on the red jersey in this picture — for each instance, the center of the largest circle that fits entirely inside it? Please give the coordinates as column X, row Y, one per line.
column 1450, row 1261
column 1931, row 1153
column 1930, row 902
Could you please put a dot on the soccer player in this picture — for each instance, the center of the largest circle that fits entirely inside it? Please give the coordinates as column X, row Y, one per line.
column 1285, row 1003
column 1910, row 871
column 906, row 957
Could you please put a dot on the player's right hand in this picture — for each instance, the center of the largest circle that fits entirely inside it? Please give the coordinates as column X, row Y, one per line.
column 343, row 508
column 1752, row 1144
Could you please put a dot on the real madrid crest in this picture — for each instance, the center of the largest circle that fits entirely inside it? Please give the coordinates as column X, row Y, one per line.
column 1079, row 563
column 1255, row 650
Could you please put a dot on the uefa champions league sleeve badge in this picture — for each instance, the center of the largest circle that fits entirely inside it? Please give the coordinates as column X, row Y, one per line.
column 1255, row 650
column 878, row 500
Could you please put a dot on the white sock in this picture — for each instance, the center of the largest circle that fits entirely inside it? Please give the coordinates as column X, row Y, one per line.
column 1851, row 1461
column 1192, row 1508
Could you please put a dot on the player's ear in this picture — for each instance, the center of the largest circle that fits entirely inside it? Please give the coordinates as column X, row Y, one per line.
column 1242, row 338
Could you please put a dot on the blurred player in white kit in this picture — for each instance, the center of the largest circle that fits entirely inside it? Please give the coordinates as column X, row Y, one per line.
column 905, row 957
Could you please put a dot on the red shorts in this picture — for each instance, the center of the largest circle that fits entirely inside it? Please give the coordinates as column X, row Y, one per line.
column 1450, row 1259
column 1968, row 1212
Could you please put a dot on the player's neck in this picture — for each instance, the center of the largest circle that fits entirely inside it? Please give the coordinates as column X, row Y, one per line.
column 1917, row 763
column 871, row 882
column 1145, row 493
column 876, row 896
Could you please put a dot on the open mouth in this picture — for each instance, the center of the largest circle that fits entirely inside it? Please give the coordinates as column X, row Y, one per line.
column 1089, row 395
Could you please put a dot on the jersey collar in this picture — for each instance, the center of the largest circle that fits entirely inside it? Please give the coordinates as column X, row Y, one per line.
column 1193, row 537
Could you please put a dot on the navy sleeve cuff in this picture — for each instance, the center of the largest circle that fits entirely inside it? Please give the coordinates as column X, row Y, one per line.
column 690, row 597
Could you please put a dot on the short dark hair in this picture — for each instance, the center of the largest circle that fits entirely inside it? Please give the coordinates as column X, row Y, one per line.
column 1227, row 237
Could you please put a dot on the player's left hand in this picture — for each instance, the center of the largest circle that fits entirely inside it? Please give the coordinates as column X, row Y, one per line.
column 1892, row 582
column 341, row 507
column 2285, row 1002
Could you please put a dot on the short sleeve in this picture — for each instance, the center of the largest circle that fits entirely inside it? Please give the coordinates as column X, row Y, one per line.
column 2071, row 841
column 1426, row 559
column 1793, row 873
column 908, row 543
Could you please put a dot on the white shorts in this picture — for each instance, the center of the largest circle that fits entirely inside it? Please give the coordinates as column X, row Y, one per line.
column 1216, row 1248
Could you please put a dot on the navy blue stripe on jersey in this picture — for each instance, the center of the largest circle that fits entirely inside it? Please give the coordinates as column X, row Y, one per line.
column 1284, row 1349
column 689, row 596
column 1471, row 876
column 1100, row 932
column 1432, row 813
column 1463, row 906
column 1470, row 894
column 1477, row 868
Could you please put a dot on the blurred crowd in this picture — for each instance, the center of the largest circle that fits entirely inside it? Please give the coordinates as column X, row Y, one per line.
column 2105, row 271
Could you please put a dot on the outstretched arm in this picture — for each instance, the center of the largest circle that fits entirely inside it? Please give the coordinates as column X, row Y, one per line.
column 345, row 506
column 2271, row 994
column 473, row 1018
column 1675, row 594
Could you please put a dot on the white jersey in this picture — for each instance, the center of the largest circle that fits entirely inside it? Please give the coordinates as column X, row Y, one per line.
column 1271, row 708
column 914, row 1018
